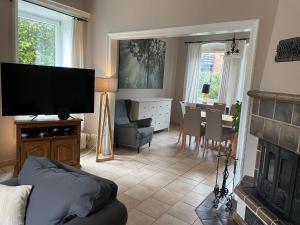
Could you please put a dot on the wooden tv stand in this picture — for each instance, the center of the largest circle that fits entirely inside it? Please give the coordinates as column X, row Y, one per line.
column 54, row 139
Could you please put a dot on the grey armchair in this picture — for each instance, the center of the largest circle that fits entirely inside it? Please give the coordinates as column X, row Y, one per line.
column 128, row 132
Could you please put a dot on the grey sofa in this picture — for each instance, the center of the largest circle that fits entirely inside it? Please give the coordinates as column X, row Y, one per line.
column 114, row 213
column 128, row 132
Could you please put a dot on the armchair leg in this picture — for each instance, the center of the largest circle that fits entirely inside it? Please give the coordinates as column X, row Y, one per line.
column 138, row 150
column 149, row 144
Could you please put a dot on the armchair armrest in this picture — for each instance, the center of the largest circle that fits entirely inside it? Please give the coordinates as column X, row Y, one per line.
column 143, row 122
column 126, row 134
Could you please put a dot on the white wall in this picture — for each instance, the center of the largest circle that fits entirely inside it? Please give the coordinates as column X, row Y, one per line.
column 278, row 77
column 285, row 76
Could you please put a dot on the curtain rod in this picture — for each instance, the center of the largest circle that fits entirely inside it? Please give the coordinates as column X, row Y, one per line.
column 75, row 17
column 238, row 39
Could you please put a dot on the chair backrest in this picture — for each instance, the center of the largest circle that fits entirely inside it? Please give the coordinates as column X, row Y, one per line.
column 232, row 109
column 192, row 122
column 121, row 112
column 182, row 109
column 213, row 124
column 220, row 106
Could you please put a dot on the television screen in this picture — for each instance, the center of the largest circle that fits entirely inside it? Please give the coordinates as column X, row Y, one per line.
column 44, row 90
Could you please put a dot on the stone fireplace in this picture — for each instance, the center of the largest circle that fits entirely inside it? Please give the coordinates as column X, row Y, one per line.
column 272, row 196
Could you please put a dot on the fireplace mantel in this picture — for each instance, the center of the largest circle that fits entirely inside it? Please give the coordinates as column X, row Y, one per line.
column 276, row 118
column 282, row 97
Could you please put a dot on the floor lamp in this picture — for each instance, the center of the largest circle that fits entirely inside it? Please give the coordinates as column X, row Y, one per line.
column 104, row 86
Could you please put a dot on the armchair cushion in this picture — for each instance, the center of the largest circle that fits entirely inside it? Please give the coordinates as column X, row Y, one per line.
column 122, row 120
column 144, row 132
column 143, row 122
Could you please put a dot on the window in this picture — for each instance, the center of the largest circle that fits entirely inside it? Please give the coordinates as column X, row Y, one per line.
column 44, row 36
column 212, row 60
column 37, row 41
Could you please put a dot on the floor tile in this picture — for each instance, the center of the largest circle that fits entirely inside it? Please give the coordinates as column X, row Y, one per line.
column 153, row 207
column 180, row 187
column 198, row 222
column 139, row 192
column 169, row 220
column 193, row 199
column 167, row 196
column 183, row 212
column 129, row 180
column 203, row 189
column 128, row 201
column 138, row 218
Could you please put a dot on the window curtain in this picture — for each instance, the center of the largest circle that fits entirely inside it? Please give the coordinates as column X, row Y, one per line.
column 78, row 43
column 231, row 75
column 241, row 82
column 192, row 73
column 78, row 51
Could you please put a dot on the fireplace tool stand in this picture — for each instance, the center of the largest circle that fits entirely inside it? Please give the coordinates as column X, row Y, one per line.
column 222, row 194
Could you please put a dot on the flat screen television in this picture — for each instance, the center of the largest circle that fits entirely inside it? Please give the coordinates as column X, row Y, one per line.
column 45, row 90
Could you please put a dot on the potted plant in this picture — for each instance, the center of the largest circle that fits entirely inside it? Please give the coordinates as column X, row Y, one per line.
column 236, row 126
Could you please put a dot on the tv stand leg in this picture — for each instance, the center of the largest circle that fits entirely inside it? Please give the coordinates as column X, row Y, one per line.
column 34, row 117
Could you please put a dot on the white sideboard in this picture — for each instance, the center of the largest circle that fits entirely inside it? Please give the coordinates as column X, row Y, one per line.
column 159, row 109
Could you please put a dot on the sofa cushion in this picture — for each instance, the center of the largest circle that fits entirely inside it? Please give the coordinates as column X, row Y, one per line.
column 108, row 192
column 145, row 132
column 57, row 195
column 13, row 202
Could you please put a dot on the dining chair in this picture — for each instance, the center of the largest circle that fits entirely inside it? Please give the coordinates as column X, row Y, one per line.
column 232, row 109
column 215, row 131
column 193, row 127
column 220, row 106
column 182, row 110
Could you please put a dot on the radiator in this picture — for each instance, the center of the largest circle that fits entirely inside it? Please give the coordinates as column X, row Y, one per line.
column 83, row 140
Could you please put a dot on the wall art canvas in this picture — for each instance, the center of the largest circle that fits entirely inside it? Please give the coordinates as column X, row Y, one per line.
column 141, row 64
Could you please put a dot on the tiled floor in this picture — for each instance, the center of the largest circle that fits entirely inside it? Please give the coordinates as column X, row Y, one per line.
column 162, row 185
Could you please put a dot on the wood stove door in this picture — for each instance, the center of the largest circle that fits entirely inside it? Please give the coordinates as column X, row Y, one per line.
column 285, row 181
column 295, row 212
column 269, row 173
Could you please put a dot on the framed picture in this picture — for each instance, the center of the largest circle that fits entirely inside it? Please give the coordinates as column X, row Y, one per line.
column 141, row 64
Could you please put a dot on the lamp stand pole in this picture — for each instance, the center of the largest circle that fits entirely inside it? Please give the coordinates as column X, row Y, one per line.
column 100, row 153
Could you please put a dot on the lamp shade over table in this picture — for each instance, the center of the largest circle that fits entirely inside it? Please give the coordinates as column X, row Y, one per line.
column 106, row 84
column 205, row 88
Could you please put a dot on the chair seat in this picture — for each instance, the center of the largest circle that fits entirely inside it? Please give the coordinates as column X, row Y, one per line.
column 144, row 132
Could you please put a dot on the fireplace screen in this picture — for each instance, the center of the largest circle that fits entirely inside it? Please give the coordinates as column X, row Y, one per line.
column 276, row 182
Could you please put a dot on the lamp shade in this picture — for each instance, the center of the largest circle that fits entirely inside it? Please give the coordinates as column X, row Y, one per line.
column 205, row 88
column 106, row 84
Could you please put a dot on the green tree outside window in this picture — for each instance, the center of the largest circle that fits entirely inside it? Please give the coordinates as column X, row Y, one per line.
column 36, row 42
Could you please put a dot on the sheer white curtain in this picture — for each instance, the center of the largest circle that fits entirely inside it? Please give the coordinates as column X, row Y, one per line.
column 231, row 75
column 78, row 50
column 192, row 72
column 78, row 43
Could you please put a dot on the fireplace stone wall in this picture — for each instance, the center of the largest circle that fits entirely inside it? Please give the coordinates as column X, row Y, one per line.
column 275, row 118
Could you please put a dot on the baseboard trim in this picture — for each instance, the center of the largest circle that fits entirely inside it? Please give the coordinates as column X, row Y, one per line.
column 6, row 163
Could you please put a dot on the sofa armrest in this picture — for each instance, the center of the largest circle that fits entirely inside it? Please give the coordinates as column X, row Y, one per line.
column 113, row 214
column 11, row 182
column 143, row 122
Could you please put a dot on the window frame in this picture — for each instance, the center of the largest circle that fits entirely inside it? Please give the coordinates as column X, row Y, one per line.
column 45, row 20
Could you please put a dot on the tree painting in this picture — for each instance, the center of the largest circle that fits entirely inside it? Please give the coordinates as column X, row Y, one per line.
column 141, row 63
column 36, row 42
